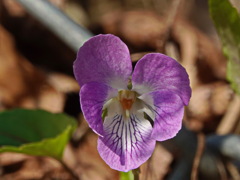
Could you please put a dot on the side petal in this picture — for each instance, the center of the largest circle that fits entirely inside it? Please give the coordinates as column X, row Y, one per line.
column 104, row 59
column 92, row 98
column 168, row 109
column 126, row 143
column 156, row 71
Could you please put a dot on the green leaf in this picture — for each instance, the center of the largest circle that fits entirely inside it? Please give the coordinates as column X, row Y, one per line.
column 227, row 22
column 35, row 132
column 126, row 175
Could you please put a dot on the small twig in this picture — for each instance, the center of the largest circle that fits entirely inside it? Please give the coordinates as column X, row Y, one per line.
column 174, row 12
column 136, row 56
column 233, row 171
column 226, row 145
column 81, row 130
column 67, row 30
column 199, row 152
column 171, row 50
column 136, row 173
column 69, row 170
column 221, row 170
column 237, row 129
column 145, row 3
column 169, row 22
column 230, row 118
column 185, row 145
column 147, row 169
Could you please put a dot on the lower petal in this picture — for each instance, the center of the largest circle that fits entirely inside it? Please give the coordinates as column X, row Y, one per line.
column 92, row 97
column 126, row 143
column 169, row 109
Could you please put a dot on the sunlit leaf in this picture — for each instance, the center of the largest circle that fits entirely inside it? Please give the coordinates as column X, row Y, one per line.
column 35, row 132
column 227, row 22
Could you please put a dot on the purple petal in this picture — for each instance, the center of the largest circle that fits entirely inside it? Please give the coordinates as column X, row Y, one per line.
column 156, row 71
column 169, row 109
column 92, row 98
column 126, row 144
column 104, row 59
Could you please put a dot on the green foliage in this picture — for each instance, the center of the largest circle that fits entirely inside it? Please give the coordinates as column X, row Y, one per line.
column 126, row 175
column 227, row 22
column 35, row 132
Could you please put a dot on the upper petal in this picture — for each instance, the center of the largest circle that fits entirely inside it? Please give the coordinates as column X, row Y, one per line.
column 156, row 71
column 104, row 59
column 168, row 109
column 93, row 96
column 126, row 143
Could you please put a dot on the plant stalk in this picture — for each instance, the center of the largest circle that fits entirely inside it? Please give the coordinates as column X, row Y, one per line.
column 136, row 173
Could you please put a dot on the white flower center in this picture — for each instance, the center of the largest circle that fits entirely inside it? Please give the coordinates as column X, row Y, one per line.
column 127, row 98
column 128, row 102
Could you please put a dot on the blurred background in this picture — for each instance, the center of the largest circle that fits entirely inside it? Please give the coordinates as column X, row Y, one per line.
column 38, row 44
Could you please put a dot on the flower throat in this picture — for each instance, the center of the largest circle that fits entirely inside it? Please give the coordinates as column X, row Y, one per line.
column 127, row 98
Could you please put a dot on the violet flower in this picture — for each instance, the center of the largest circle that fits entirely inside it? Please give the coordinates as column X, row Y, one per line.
column 129, row 111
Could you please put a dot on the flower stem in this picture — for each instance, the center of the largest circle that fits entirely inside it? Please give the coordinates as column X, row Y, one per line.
column 136, row 173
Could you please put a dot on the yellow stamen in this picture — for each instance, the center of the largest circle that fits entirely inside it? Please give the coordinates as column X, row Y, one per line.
column 126, row 98
column 126, row 103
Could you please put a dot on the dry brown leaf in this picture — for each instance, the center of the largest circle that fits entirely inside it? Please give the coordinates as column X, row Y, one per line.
column 139, row 28
column 158, row 165
column 9, row 158
column 91, row 166
column 12, row 82
column 210, row 100
column 82, row 128
column 211, row 56
column 144, row 29
column 22, row 85
column 37, row 168
column 208, row 103
column 185, row 36
column 14, row 8
column 63, row 83
column 50, row 99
